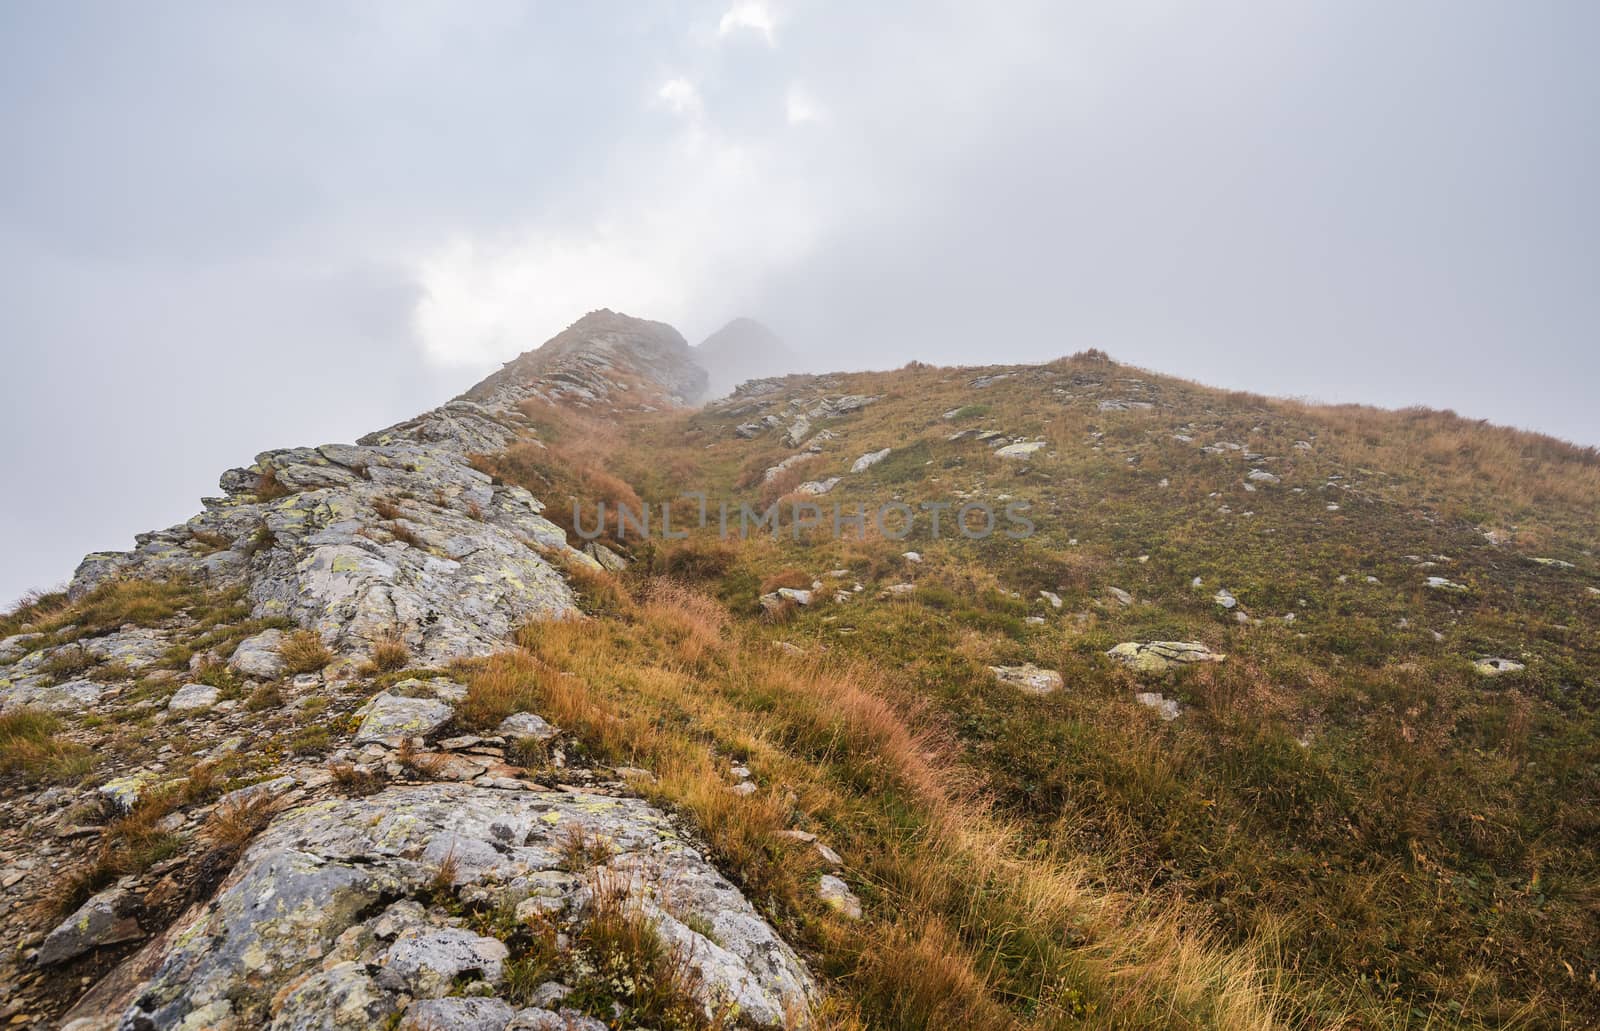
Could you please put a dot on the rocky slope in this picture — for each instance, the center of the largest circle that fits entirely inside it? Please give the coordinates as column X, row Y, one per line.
column 346, row 911
column 597, row 359
column 1278, row 715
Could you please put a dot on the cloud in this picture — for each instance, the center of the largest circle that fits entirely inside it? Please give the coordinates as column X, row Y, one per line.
column 690, row 223
column 749, row 15
column 484, row 302
column 801, row 107
column 681, row 97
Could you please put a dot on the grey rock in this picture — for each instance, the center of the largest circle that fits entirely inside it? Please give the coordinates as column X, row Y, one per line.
column 318, row 870
column 72, row 696
column 798, row 432
column 838, row 896
column 607, row 558
column 1022, row 450
column 390, row 719
column 772, row 472
column 470, row 569
column 1028, row 678
column 537, row 1019
column 1160, row 656
column 457, row 1014
column 137, row 648
column 426, row 963
column 526, row 724
column 1167, row 708
column 258, row 656
column 341, row 998
column 193, row 698
column 17, row 645
column 262, row 789
column 1495, row 666
column 121, row 794
column 846, row 405
column 104, row 920
column 868, row 460
column 814, row 488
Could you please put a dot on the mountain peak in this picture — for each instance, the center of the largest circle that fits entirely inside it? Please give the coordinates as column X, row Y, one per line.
column 602, row 354
column 744, row 349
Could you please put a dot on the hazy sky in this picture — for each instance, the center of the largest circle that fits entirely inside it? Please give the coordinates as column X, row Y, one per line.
column 229, row 227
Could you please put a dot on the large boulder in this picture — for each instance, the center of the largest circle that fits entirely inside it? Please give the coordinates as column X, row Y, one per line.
column 390, row 719
column 319, row 921
column 257, row 656
column 106, row 919
column 1161, row 656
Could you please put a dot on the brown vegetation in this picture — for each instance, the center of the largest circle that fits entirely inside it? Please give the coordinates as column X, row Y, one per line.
column 303, row 652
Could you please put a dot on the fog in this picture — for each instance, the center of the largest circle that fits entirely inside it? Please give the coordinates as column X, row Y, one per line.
column 228, row 228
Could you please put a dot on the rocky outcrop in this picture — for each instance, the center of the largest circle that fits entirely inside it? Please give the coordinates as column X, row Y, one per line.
column 335, row 917
column 398, row 534
column 604, row 356
column 105, row 919
column 358, row 912
column 1160, row 656
column 361, row 542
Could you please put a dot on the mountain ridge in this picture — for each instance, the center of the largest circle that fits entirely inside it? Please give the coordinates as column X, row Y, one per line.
column 1266, row 679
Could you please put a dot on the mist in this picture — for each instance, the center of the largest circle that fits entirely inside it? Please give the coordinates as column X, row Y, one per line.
column 226, row 229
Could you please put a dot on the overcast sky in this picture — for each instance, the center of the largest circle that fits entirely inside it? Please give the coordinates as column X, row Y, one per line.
column 229, row 227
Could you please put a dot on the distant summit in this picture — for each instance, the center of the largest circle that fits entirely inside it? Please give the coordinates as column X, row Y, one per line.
column 597, row 356
column 742, row 350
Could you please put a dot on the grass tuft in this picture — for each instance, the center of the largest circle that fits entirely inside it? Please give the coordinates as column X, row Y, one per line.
column 303, row 652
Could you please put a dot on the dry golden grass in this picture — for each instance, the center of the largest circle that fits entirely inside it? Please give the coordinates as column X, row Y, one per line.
column 699, row 559
column 303, row 652
column 34, row 608
column 105, row 608
column 357, row 782
column 268, row 488
column 581, row 849
column 1334, row 869
column 389, row 653
column 233, row 823
column 798, row 579
column 29, row 747
column 130, row 844
column 782, row 485
column 648, row 982
column 966, row 923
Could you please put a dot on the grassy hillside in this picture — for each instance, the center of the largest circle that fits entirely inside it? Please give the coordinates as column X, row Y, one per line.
column 1347, row 825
